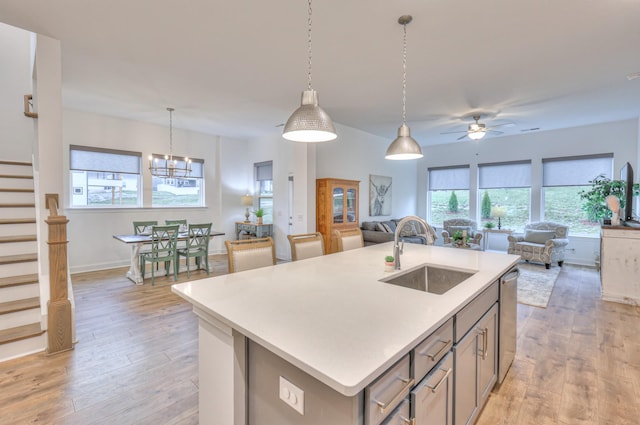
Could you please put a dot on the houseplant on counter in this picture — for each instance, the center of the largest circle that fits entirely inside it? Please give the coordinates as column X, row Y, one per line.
column 389, row 263
column 259, row 213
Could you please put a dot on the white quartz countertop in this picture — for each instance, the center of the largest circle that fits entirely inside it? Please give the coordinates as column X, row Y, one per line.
column 331, row 316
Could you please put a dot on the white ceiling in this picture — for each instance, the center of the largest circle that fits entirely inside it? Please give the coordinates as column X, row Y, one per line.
column 237, row 67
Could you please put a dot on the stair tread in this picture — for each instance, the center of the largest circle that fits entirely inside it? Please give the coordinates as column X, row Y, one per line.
column 17, row 220
column 16, row 190
column 15, row 176
column 19, row 305
column 28, row 164
column 17, row 238
column 26, row 279
column 20, row 258
column 20, row 332
column 18, row 205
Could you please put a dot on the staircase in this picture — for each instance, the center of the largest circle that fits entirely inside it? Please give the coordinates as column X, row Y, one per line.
column 20, row 312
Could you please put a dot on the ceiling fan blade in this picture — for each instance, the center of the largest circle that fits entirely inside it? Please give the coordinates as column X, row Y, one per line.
column 507, row 124
column 494, row 131
column 462, row 137
column 453, row 132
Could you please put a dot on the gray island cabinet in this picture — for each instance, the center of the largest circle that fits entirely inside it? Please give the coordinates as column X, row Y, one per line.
column 326, row 341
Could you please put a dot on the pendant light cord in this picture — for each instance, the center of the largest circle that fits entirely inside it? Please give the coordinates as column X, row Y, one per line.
column 404, row 76
column 309, row 41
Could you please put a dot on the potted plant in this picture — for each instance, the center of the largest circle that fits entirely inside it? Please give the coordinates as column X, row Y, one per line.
column 594, row 204
column 389, row 263
column 259, row 213
column 459, row 239
column 489, row 225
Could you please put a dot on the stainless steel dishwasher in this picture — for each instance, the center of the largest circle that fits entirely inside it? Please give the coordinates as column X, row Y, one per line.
column 508, row 321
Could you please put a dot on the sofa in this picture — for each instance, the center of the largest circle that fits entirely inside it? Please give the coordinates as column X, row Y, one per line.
column 542, row 241
column 374, row 232
column 459, row 224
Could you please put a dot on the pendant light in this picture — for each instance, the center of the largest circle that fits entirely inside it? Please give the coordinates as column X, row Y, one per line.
column 309, row 123
column 404, row 146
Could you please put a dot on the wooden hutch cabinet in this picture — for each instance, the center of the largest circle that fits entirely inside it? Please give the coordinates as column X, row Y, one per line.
column 336, row 208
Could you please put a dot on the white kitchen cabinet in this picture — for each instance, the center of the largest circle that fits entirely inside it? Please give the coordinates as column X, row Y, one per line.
column 476, row 365
column 620, row 264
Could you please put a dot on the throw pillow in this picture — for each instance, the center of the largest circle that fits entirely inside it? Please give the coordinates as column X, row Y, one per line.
column 391, row 224
column 383, row 227
column 369, row 225
column 408, row 230
column 538, row 236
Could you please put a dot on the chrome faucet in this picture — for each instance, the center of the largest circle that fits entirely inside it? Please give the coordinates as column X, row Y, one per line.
column 397, row 249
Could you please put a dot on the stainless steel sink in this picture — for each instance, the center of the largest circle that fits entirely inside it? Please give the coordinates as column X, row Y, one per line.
column 436, row 280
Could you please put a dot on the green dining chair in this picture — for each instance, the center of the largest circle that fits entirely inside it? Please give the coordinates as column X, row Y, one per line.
column 143, row 227
column 182, row 229
column 163, row 250
column 197, row 246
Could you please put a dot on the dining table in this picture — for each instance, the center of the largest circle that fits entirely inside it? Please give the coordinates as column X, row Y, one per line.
column 137, row 242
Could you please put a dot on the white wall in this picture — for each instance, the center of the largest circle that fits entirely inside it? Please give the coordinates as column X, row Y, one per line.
column 90, row 231
column 355, row 155
column 15, row 82
column 619, row 138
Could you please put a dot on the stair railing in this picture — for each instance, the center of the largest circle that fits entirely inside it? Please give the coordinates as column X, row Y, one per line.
column 60, row 329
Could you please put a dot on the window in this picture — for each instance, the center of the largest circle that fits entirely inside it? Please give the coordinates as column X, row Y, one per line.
column 448, row 193
column 104, row 178
column 562, row 181
column 506, row 185
column 264, row 188
column 178, row 191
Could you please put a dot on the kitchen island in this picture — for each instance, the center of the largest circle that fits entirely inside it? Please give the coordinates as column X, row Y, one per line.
column 330, row 318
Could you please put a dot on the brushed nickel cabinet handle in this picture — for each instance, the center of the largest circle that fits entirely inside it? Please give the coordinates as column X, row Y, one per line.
column 485, row 343
column 385, row 407
column 411, row 421
column 447, row 345
column 444, row 378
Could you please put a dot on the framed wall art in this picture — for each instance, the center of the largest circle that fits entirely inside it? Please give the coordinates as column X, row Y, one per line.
column 379, row 195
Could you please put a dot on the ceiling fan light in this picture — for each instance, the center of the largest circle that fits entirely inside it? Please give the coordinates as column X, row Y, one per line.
column 309, row 123
column 476, row 135
column 404, row 146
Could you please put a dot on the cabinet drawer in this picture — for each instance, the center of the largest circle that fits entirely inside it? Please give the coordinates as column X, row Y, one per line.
column 472, row 312
column 387, row 392
column 431, row 350
column 400, row 416
column 432, row 399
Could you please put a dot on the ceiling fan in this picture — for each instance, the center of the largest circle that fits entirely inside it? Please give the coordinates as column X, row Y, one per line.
column 478, row 130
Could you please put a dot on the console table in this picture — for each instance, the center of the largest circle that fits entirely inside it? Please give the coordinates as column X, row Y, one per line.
column 259, row 230
column 486, row 232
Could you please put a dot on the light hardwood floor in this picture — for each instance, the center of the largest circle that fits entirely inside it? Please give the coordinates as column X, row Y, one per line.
column 578, row 360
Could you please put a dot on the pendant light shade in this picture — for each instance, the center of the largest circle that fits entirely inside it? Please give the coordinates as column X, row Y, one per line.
column 404, row 146
column 309, row 123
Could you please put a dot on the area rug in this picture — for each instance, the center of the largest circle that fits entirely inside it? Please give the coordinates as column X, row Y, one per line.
column 536, row 283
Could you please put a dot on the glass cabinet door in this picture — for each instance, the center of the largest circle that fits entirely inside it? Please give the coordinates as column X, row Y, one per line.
column 351, row 205
column 338, row 204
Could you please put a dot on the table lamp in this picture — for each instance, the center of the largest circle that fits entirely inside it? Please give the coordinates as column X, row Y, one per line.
column 247, row 201
column 498, row 212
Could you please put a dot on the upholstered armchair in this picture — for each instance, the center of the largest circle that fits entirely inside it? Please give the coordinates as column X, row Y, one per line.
column 453, row 225
column 542, row 241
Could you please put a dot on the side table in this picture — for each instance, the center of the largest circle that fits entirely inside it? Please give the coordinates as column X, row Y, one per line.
column 486, row 232
column 259, row 230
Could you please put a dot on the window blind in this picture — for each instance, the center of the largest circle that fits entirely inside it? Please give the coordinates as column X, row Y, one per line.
column 449, row 178
column 575, row 170
column 504, row 174
column 85, row 158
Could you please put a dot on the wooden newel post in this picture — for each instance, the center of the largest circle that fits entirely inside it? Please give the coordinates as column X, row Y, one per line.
column 59, row 307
